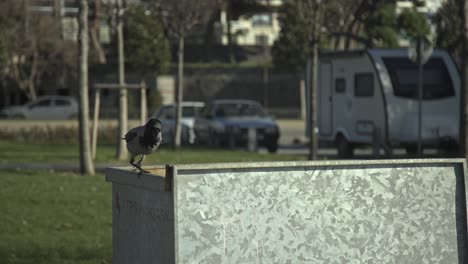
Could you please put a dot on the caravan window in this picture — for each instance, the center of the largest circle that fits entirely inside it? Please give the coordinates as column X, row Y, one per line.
column 364, row 85
column 404, row 76
column 340, row 85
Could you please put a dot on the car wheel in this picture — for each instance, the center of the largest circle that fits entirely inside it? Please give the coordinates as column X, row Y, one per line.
column 449, row 147
column 345, row 150
column 411, row 149
column 214, row 140
column 272, row 147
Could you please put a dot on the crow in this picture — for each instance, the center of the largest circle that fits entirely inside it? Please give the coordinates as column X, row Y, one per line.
column 143, row 140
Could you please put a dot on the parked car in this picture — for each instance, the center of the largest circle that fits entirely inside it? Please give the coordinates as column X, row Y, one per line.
column 166, row 114
column 228, row 122
column 46, row 107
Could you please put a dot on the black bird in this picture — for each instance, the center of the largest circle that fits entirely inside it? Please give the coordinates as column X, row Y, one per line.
column 143, row 140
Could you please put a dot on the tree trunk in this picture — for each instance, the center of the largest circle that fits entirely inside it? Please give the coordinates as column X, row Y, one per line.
column 94, row 33
column 97, row 46
column 32, row 91
column 86, row 163
column 464, row 78
column 179, row 92
column 122, row 152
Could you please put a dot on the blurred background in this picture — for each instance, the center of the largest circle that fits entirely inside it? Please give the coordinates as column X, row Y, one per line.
column 262, row 51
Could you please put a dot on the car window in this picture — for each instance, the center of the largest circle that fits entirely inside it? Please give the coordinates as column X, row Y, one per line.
column 206, row 111
column 239, row 110
column 188, row 111
column 62, row 102
column 166, row 112
column 42, row 103
column 363, row 85
column 436, row 78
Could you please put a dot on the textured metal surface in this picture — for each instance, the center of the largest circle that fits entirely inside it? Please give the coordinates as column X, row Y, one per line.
column 142, row 224
column 330, row 212
column 386, row 211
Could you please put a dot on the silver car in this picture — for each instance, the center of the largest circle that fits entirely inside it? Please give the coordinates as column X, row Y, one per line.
column 46, row 107
column 236, row 123
column 166, row 114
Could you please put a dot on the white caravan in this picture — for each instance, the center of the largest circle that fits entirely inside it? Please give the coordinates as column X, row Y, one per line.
column 361, row 92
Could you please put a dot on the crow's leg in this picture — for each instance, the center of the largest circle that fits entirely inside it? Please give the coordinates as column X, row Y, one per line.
column 138, row 165
column 132, row 160
column 141, row 159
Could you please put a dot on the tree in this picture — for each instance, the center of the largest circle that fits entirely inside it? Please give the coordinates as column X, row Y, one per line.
column 146, row 45
column 452, row 35
column 371, row 23
column 299, row 40
column 179, row 16
column 31, row 44
column 86, row 163
column 380, row 27
column 449, row 27
column 292, row 47
column 413, row 24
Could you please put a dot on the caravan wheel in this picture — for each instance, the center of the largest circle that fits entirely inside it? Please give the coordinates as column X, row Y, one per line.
column 345, row 150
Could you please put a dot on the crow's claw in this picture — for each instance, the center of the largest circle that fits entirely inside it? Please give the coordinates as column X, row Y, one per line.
column 142, row 171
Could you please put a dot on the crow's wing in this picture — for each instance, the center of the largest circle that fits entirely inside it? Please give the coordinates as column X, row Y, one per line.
column 132, row 134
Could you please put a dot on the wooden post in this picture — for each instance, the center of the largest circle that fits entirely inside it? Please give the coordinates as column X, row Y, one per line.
column 143, row 103
column 95, row 122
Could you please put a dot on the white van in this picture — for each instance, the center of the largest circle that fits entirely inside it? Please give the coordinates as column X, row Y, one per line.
column 360, row 92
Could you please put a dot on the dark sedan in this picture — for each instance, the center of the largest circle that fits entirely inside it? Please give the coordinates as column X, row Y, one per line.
column 236, row 123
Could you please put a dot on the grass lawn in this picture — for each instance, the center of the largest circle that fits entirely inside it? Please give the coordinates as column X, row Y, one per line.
column 54, row 218
column 59, row 217
column 14, row 152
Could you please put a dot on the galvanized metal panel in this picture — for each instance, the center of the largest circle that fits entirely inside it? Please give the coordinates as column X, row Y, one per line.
column 142, row 219
column 332, row 212
column 391, row 211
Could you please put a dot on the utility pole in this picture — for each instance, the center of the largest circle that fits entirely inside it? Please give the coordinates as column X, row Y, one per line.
column 420, row 93
column 122, row 152
column 314, row 39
